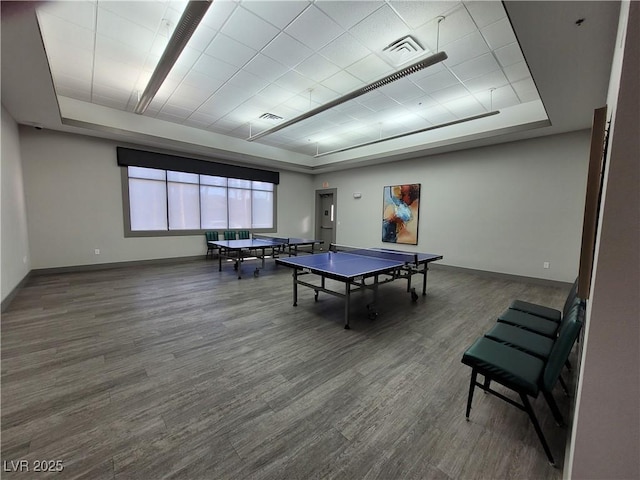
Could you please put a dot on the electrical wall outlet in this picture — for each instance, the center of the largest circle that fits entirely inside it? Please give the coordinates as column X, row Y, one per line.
column 545, row 265
column 97, row 251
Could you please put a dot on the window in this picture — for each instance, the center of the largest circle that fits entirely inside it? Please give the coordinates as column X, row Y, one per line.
column 169, row 201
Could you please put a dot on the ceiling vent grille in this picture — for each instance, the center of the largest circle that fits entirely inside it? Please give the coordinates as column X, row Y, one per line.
column 403, row 50
column 270, row 116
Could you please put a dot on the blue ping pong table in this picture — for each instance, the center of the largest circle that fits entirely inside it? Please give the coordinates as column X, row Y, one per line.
column 359, row 269
column 260, row 247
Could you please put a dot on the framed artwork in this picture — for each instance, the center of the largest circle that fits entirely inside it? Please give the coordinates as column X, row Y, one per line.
column 400, row 209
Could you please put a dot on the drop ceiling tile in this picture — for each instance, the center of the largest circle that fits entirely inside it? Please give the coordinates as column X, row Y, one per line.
column 517, row 71
column 116, row 73
column 450, row 93
column 123, row 30
column 499, row 34
column 110, row 102
column 486, row 82
column 249, row 29
column 526, row 90
column 377, row 101
column 465, row 107
column 485, row 12
column 249, row 82
column 320, row 94
column 343, row 82
column 417, row 13
column 71, row 62
column 347, row 14
column 186, row 61
column 56, row 30
column 314, row 28
column 266, row 67
column 175, row 111
column 344, row 50
column 502, row 97
column 476, row 67
column 68, row 84
column 202, row 37
column 189, row 96
column 380, row 29
column 402, row 90
column 230, row 50
column 436, row 82
column 82, row 14
column 356, row 110
column 294, row 82
column 214, row 67
column 109, row 48
column 275, row 95
column 287, row 50
column 438, row 115
column 146, row 14
column 218, row 13
column 317, row 68
column 456, row 25
column 278, row 13
column 509, row 54
column 465, row 48
column 369, row 69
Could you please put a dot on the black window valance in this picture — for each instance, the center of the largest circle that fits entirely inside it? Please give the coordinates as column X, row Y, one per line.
column 128, row 157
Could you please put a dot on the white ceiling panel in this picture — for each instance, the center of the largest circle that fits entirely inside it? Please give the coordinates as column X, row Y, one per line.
column 229, row 50
column 278, row 13
column 347, row 14
column 286, row 58
column 314, row 28
column 249, row 29
column 380, row 29
column 499, row 34
column 287, row 50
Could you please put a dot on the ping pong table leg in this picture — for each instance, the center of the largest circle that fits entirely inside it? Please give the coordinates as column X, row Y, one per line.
column 295, row 287
column 424, row 278
column 347, row 298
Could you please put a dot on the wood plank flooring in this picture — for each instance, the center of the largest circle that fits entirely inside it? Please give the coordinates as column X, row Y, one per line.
column 181, row 371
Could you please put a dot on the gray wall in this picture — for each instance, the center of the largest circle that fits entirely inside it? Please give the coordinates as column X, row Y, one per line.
column 606, row 432
column 506, row 208
column 15, row 243
column 74, row 200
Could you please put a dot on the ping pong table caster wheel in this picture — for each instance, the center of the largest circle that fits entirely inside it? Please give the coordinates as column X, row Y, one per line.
column 316, row 295
column 373, row 314
column 414, row 295
column 256, row 272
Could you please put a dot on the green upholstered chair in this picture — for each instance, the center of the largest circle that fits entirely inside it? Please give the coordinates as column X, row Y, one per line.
column 525, row 374
column 547, row 312
column 244, row 235
column 535, row 323
column 229, row 235
column 211, row 248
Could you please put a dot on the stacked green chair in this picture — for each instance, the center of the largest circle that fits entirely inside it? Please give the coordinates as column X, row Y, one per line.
column 211, row 247
column 525, row 374
column 229, row 235
column 244, row 235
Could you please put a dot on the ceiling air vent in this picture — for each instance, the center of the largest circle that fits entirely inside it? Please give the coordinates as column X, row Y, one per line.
column 403, row 50
column 270, row 116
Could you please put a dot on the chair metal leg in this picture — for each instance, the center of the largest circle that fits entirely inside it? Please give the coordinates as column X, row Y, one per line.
column 487, row 384
column 472, row 386
column 564, row 386
column 536, row 425
column 554, row 408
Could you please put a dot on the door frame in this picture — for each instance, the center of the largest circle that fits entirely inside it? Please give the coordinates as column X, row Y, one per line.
column 319, row 194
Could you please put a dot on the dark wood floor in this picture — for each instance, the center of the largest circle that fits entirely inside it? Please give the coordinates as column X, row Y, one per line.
column 181, row 371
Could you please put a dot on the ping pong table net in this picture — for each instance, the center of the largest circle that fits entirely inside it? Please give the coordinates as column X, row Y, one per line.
column 383, row 253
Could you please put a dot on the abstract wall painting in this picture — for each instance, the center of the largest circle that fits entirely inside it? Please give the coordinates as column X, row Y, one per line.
column 401, row 205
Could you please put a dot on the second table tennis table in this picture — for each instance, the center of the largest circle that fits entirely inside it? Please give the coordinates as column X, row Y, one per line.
column 355, row 267
column 260, row 247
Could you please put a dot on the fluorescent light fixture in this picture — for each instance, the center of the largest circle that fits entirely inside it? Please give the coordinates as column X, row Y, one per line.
column 424, row 63
column 413, row 132
column 193, row 13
